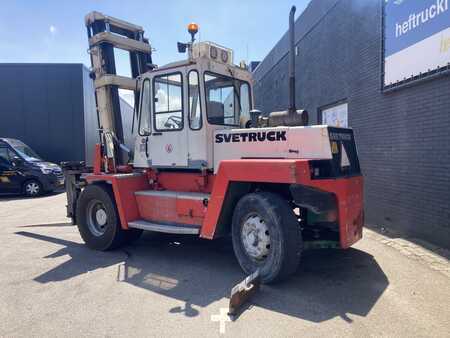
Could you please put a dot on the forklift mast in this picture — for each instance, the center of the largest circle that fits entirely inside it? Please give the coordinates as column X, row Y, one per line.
column 106, row 33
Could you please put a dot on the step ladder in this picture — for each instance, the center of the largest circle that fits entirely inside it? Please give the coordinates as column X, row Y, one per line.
column 184, row 229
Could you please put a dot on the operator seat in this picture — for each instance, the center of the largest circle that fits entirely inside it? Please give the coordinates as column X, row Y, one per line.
column 215, row 112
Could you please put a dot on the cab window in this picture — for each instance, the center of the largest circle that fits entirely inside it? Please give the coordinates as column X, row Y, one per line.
column 227, row 99
column 144, row 117
column 195, row 110
column 168, row 102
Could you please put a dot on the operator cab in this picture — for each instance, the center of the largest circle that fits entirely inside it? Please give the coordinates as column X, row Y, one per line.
column 184, row 103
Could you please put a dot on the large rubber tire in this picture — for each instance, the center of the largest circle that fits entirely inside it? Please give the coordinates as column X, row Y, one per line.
column 111, row 236
column 286, row 243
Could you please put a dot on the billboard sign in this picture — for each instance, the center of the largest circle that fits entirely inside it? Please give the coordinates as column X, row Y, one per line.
column 416, row 38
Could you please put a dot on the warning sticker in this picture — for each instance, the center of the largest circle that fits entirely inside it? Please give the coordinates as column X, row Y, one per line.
column 345, row 162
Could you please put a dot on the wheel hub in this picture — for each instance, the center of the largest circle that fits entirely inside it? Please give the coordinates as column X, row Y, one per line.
column 97, row 218
column 100, row 217
column 255, row 237
column 32, row 188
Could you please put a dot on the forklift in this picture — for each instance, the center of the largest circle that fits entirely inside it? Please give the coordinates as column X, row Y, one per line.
column 206, row 163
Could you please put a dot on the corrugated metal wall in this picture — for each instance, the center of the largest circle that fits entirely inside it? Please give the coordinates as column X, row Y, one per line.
column 51, row 107
column 403, row 137
column 42, row 105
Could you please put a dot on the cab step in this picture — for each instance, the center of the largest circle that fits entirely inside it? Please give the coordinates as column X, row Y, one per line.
column 196, row 196
column 184, row 229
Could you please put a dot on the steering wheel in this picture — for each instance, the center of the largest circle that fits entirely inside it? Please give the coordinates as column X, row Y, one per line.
column 173, row 122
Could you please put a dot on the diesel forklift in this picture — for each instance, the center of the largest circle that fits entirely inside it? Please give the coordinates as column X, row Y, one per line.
column 206, row 163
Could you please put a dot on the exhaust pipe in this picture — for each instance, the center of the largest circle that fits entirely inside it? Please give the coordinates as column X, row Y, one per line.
column 292, row 109
column 291, row 116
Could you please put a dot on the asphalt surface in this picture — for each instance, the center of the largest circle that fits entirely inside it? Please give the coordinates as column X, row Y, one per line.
column 52, row 285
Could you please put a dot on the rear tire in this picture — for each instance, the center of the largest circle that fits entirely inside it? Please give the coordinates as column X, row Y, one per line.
column 98, row 220
column 266, row 236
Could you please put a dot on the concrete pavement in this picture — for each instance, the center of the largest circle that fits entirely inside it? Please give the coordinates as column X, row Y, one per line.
column 52, row 285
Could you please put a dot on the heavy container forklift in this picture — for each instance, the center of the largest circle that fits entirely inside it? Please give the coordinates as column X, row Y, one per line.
column 206, row 163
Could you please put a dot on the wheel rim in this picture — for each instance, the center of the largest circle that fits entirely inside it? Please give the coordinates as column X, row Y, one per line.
column 97, row 219
column 255, row 237
column 32, row 188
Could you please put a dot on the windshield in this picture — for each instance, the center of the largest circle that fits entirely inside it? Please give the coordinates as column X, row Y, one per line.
column 227, row 99
column 25, row 151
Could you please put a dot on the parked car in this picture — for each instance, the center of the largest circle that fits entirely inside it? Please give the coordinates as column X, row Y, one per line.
column 25, row 172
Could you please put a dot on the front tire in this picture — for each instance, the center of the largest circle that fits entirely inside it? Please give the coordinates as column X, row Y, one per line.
column 32, row 188
column 98, row 220
column 266, row 236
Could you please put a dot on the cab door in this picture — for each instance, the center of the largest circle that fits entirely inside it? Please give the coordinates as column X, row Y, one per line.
column 168, row 144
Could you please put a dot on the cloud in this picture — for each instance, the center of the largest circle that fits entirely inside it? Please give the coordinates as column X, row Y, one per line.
column 52, row 29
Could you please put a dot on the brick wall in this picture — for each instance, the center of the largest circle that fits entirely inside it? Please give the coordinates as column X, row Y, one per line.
column 403, row 137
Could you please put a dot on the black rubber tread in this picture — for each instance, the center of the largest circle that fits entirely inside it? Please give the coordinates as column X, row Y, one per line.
column 115, row 236
column 285, row 235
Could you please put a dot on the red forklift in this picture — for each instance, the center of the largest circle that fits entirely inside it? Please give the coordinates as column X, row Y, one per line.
column 206, row 163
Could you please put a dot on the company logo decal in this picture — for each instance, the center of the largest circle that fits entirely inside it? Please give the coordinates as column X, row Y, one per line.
column 340, row 137
column 169, row 148
column 259, row 136
column 416, row 19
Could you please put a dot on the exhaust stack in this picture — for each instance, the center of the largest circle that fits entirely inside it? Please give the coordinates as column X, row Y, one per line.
column 291, row 116
column 292, row 109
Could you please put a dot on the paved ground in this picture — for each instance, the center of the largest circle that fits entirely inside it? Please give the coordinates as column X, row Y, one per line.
column 52, row 285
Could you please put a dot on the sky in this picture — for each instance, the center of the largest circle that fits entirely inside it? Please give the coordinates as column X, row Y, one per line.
column 53, row 30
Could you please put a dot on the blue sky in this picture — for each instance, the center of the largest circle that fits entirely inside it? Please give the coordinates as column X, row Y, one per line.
column 53, row 31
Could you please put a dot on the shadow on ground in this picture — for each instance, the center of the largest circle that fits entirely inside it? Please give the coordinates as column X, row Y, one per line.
column 49, row 225
column 198, row 272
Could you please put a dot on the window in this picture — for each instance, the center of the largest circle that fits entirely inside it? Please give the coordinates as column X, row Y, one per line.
column 335, row 115
column 195, row 110
column 24, row 151
column 144, row 117
column 168, row 102
column 4, row 157
column 227, row 99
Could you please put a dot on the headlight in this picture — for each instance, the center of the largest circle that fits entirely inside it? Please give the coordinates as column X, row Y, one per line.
column 46, row 171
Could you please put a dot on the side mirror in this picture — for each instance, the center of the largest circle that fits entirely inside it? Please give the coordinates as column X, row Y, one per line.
column 181, row 47
column 16, row 161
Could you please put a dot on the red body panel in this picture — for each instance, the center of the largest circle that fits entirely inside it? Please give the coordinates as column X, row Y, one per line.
column 182, row 181
column 171, row 210
column 348, row 191
column 97, row 159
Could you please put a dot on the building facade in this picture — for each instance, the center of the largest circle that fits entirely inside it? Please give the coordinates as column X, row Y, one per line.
column 402, row 131
column 51, row 107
